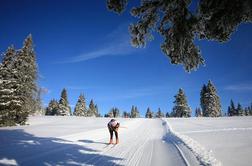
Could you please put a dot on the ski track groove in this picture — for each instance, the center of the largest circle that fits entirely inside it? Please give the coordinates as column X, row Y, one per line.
column 180, row 152
column 175, row 144
column 129, row 149
column 151, row 153
column 130, row 155
column 136, row 152
column 113, row 150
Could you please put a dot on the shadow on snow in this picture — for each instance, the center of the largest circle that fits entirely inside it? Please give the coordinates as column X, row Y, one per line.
column 20, row 148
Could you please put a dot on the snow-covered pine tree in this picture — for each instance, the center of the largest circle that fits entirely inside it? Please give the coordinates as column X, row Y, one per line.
column 64, row 108
column 114, row 113
column 97, row 111
column 53, row 108
column 126, row 114
column 9, row 57
column 181, row 108
column 231, row 109
column 80, row 107
column 210, row 101
column 159, row 114
column 11, row 100
column 203, row 98
column 246, row 111
column 250, row 110
column 134, row 112
column 240, row 111
column 198, row 112
column 92, row 110
column 26, row 66
column 167, row 115
column 148, row 114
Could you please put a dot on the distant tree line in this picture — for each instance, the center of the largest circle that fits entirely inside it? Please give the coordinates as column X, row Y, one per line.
column 209, row 101
column 115, row 112
column 62, row 108
column 19, row 91
column 239, row 110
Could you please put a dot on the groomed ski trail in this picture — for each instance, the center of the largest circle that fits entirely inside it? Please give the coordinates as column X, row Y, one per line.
column 144, row 142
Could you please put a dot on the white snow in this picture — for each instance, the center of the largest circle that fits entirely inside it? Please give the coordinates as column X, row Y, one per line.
column 53, row 140
column 227, row 140
column 205, row 157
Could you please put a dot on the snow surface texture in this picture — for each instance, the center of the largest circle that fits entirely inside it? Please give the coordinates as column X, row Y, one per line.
column 205, row 157
column 226, row 139
column 83, row 141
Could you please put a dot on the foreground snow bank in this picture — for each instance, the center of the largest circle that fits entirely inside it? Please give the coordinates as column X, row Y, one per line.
column 205, row 157
column 228, row 139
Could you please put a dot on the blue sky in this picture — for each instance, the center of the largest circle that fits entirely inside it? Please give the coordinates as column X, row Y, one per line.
column 84, row 48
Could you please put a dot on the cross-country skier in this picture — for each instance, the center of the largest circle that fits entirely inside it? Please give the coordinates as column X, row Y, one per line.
column 113, row 126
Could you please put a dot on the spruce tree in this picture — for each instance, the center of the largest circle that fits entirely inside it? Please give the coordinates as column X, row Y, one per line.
column 250, row 110
column 97, row 111
column 18, row 90
column 198, row 112
column 134, row 112
column 203, row 98
column 11, row 100
column 92, row 110
column 114, row 113
column 231, row 109
column 240, row 111
column 126, row 114
column 181, row 108
column 64, row 108
column 246, row 111
column 210, row 101
column 167, row 115
column 9, row 57
column 53, row 108
column 27, row 68
column 159, row 114
column 80, row 107
column 148, row 114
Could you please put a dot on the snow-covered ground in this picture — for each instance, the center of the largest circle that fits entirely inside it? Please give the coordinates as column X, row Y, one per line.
column 83, row 141
column 227, row 139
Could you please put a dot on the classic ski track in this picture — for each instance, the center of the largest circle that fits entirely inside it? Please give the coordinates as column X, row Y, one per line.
column 128, row 150
column 111, row 149
column 125, row 152
column 137, row 151
column 141, row 154
column 131, row 155
column 151, row 153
